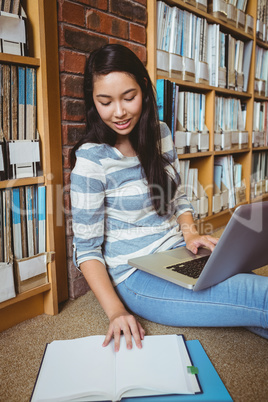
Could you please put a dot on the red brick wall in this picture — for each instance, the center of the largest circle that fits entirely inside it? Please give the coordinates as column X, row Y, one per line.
column 83, row 26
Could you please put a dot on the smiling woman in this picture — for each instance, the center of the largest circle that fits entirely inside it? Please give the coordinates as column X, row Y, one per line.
column 118, row 100
column 127, row 202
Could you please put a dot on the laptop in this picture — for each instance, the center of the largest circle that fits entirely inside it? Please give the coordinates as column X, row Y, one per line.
column 241, row 248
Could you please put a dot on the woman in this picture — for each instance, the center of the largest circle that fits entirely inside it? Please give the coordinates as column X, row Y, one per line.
column 126, row 202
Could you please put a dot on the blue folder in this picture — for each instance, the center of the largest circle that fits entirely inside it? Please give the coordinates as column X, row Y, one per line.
column 209, row 380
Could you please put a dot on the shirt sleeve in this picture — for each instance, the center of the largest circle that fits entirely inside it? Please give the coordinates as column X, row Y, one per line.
column 180, row 200
column 87, row 200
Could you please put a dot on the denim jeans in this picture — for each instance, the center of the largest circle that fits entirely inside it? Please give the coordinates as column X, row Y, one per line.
column 241, row 300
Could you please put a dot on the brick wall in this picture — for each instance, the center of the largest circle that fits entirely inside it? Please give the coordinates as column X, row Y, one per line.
column 83, row 26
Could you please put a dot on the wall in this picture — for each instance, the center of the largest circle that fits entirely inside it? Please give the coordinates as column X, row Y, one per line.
column 83, row 26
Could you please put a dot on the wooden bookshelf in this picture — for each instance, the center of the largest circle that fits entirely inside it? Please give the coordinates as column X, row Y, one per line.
column 204, row 161
column 43, row 54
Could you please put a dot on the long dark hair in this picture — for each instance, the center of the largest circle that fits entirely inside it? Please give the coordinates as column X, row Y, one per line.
column 146, row 136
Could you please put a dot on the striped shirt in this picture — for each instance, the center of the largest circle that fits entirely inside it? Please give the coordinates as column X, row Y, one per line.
column 113, row 216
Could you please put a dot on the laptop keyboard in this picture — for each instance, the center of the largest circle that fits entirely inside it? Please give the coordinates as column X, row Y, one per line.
column 192, row 268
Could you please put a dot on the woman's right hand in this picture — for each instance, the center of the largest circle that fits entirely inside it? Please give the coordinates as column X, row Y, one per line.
column 126, row 323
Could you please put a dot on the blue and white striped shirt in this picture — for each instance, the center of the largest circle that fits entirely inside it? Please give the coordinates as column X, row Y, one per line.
column 113, row 217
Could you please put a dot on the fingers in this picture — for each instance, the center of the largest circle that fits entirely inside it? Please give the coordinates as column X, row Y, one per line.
column 202, row 241
column 117, row 334
column 136, row 331
column 210, row 242
column 213, row 240
column 108, row 337
column 129, row 326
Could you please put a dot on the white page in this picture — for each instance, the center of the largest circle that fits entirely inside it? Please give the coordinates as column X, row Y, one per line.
column 73, row 368
column 158, row 366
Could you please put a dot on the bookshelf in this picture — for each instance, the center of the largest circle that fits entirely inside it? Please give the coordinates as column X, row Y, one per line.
column 204, row 161
column 43, row 55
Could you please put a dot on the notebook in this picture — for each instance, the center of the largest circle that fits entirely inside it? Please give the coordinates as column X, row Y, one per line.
column 241, row 248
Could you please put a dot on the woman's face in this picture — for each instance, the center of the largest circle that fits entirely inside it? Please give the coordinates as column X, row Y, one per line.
column 118, row 99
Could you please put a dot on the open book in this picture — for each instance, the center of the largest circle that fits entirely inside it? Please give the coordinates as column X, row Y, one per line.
column 83, row 370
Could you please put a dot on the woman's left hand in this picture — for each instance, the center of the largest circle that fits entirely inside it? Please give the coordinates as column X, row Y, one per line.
column 194, row 241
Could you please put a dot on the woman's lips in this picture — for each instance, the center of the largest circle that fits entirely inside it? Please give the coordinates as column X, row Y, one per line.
column 122, row 125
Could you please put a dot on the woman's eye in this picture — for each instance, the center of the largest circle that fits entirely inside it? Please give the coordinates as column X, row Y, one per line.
column 130, row 99
column 106, row 104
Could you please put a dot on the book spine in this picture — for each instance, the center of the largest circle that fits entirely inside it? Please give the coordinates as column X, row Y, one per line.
column 16, row 223
column 21, row 105
column 30, row 103
column 23, row 223
column 41, row 190
column 30, row 220
column 14, row 102
column 6, row 101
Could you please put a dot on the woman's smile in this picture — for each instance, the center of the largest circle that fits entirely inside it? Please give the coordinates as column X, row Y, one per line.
column 118, row 100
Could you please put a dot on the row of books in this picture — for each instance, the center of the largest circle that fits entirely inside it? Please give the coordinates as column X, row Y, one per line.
column 260, row 125
column 185, row 112
column 17, row 102
column 262, row 20
column 10, row 6
column 23, row 222
column 230, row 114
column 261, row 71
column 228, row 186
column 190, row 48
column 181, row 110
column 228, row 140
column 260, row 116
column 212, row 5
column 23, row 256
column 193, row 189
column 239, row 4
column 13, row 30
column 232, row 12
column 259, row 174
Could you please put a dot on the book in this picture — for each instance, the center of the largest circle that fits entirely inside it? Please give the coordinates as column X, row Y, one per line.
column 23, row 222
column 98, row 373
column 15, row 6
column 16, row 223
column 6, row 6
column 213, row 389
column 21, row 102
column 41, row 217
column 30, row 103
column 6, row 100
column 29, row 196
column 6, row 203
column 14, row 102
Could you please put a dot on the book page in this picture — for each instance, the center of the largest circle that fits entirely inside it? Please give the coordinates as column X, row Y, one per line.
column 75, row 369
column 158, row 368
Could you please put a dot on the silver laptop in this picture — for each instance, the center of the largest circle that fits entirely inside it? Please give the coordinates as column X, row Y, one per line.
column 242, row 247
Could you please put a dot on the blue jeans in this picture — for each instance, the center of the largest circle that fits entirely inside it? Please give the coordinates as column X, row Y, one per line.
column 241, row 300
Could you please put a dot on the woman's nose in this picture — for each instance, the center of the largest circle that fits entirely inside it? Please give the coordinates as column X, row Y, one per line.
column 119, row 110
